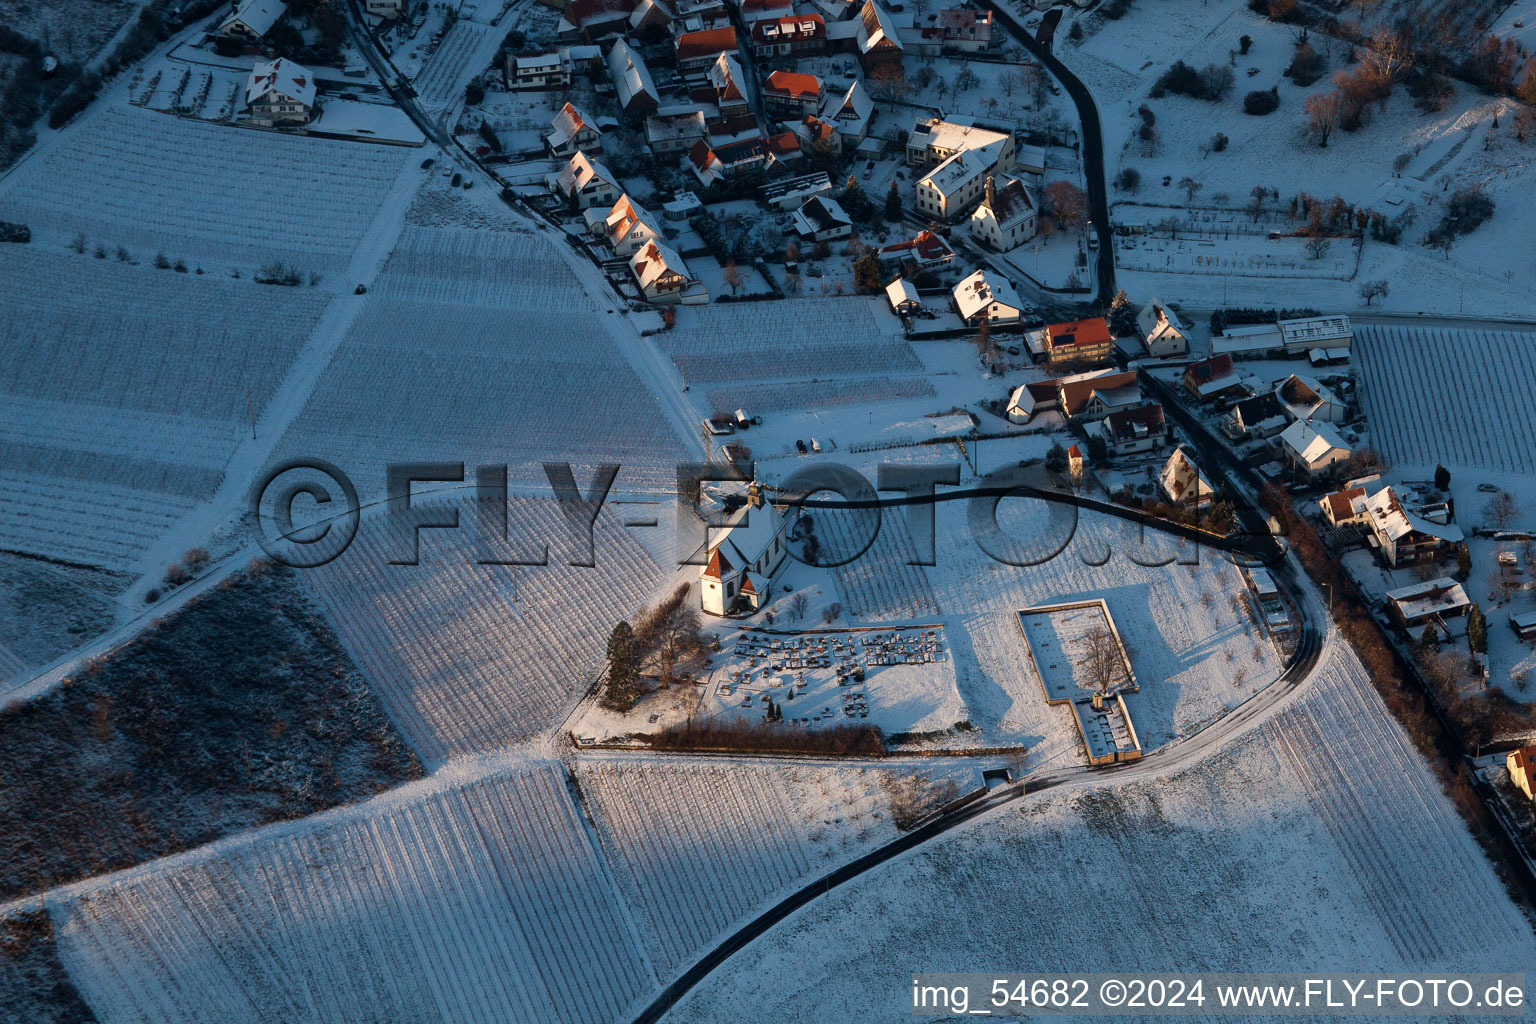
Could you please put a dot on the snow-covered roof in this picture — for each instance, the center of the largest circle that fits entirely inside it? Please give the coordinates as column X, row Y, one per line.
column 1155, row 324
column 978, row 291
column 257, row 15
column 1248, row 338
column 1433, row 597
column 1311, row 443
column 1011, row 205
column 579, row 172
column 1132, row 424
column 876, row 28
column 1182, row 480
column 630, row 76
column 1304, row 396
column 953, row 134
column 750, row 531
column 654, row 259
column 901, row 291
column 624, row 217
column 281, row 76
column 964, row 167
column 1390, row 519
column 1305, row 332
column 821, row 213
column 568, row 122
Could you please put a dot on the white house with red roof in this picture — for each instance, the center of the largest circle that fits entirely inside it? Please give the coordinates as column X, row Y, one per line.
column 279, row 93
column 792, row 94
column 660, row 272
column 572, row 131
column 584, row 183
column 625, row 227
column 742, row 558
column 924, row 253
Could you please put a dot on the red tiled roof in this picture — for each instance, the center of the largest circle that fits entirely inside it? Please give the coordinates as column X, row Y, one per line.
column 818, row 128
column 1123, row 423
column 705, row 43
column 718, row 565
column 790, row 28
column 1210, row 369
column 1079, row 333
column 1341, row 503
column 783, row 144
column 1075, row 393
column 793, row 84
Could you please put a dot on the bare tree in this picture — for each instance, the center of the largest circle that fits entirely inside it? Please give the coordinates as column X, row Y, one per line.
column 1101, row 658
column 1322, row 115
column 1190, row 187
column 1318, row 246
column 1373, row 289
column 1501, row 511
column 734, row 276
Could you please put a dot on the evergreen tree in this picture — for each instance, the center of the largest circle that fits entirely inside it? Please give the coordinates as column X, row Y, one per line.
column 623, row 671
column 893, row 204
column 1477, row 630
column 1430, row 638
column 1442, row 478
column 1121, row 316
column 1463, row 560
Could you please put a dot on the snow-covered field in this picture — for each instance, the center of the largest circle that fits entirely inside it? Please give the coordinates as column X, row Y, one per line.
column 214, row 196
column 1320, row 839
column 1458, row 396
column 483, row 347
column 836, row 342
column 126, row 391
column 470, row 657
column 698, row 846
column 440, row 904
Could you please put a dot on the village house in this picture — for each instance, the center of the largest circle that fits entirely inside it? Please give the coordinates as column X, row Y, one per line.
column 967, row 30
column 795, row 36
column 816, row 136
column 1130, row 431
column 725, row 90
column 1521, row 765
column 782, row 153
column 1312, row 450
column 696, row 51
column 1087, row 396
column 251, row 21
column 1182, row 482
column 671, row 133
column 279, row 93
column 1075, row 464
column 1431, row 601
column 537, row 71
column 1345, row 506
column 632, row 83
column 1160, row 334
column 849, row 113
column 791, row 95
column 572, row 131
column 988, row 297
column 1074, row 343
column 903, row 297
column 933, row 140
column 592, row 20
column 1305, row 399
column 386, row 9
column 584, row 183
column 1402, row 535
column 716, row 163
column 821, row 219
column 1006, row 217
column 879, row 44
column 1261, row 416
column 924, row 253
column 625, row 227
column 742, row 558
column 660, row 272
column 1213, row 378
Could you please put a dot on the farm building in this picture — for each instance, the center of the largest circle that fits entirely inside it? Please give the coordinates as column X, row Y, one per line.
column 1129, row 431
column 1007, row 215
column 879, row 44
column 1433, row 600
column 1249, row 341
column 987, row 297
column 1160, row 335
column 1316, row 332
column 1182, row 482
column 742, row 559
column 279, row 93
column 1082, row 396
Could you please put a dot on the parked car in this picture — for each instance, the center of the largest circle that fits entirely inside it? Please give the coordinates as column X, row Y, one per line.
column 800, row 446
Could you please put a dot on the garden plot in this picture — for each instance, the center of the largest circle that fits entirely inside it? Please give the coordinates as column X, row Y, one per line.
column 215, row 196
column 1240, row 863
column 1459, row 396
column 901, row 680
column 484, row 384
column 698, row 847
column 1242, row 255
column 483, row 903
column 469, row 657
column 1196, row 651
column 118, row 416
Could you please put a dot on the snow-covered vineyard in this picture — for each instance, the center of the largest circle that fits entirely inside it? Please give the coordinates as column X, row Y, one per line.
column 1458, row 396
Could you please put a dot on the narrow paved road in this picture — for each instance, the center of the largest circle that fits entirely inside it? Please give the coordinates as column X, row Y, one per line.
column 1092, row 146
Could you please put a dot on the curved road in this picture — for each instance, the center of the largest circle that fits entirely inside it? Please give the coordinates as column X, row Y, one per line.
column 1092, row 148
